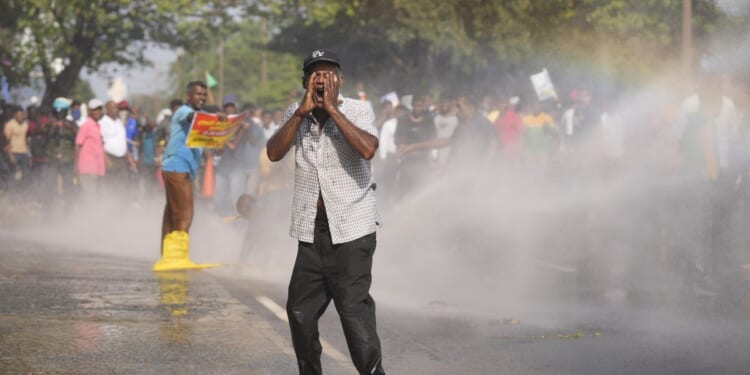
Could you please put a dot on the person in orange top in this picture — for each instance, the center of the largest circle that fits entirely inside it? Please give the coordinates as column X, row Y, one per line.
column 15, row 132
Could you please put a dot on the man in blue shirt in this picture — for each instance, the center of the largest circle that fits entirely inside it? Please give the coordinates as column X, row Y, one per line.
column 148, row 143
column 179, row 167
column 129, row 117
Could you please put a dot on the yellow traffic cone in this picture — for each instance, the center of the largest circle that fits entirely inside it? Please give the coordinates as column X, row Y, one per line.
column 175, row 254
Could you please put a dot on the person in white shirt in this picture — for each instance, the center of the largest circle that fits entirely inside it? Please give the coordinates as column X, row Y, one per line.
column 268, row 125
column 706, row 126
column 119, row 161
column 446, row 122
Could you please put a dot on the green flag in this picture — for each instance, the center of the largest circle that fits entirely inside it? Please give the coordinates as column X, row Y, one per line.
column 210, row 80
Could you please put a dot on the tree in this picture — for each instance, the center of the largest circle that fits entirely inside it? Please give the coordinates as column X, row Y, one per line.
column 77, row 34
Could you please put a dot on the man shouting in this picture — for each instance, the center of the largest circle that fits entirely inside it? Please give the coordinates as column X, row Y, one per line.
column 333, row 214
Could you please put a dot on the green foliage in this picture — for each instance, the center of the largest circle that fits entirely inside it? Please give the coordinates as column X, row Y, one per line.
column 89, row 33
column 82, row 91
column 243, row 67
column 452, row 44
column 407, row 45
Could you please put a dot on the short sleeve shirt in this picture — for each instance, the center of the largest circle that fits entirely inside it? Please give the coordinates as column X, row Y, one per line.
column 411, row 132
column 328, row 165
column 177, row 156
column 16, row 133
column 113, row 134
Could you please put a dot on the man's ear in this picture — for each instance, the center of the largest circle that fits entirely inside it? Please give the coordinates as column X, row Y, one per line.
column 304, row 82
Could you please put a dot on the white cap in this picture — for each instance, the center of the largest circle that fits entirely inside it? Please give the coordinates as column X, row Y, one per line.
column 514, row 100
column 95, row 103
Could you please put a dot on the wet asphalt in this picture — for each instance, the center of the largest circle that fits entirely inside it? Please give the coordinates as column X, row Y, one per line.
column 78, row 313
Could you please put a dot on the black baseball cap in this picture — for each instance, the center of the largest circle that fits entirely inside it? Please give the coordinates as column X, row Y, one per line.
column 320, row 55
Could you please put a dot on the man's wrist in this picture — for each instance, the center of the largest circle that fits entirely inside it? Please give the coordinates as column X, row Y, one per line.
column 333, row 111
column 299, row 113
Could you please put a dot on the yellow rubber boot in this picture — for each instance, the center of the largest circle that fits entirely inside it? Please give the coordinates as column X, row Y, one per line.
column 175, row 254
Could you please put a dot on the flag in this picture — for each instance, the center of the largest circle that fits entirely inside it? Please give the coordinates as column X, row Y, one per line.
column 543, row 85
column 210, row 80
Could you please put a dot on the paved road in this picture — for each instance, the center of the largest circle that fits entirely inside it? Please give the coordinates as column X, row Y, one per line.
column 78, row 313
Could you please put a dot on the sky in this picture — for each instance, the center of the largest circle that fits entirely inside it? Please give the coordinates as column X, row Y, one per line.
column 139, row 80
column 735, row 7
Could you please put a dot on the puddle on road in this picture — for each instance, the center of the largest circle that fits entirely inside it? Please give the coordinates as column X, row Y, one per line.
column 133, row 323
column 100, row 322
column 173, row 292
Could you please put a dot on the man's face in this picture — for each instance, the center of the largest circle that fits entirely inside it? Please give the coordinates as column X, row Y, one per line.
column 318, row 82
column 418, row 106
column 196, row 97
column 111, row 108
column 267, row 118
column 277, row 116
column 19, row 116
column 96, row 113
column 230, row 109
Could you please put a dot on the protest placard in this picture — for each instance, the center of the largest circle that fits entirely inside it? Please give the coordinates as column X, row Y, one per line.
column 208, row 132
column 543, row 86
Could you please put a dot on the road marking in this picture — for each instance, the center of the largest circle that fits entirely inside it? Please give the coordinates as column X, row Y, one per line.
column 280, row 313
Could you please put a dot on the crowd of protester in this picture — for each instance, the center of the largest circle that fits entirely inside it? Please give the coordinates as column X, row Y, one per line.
column 691, row 149
column 51, row 157
column 650, row 182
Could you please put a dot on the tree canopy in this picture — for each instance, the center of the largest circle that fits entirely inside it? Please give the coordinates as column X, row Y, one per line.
column 57, row 39
column 422, row 43
column 408, row 45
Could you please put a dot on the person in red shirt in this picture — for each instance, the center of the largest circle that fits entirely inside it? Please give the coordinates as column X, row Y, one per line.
column 89, row 156
column 509, row 127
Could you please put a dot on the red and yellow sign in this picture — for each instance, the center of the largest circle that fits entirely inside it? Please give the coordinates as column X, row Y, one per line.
column 208, row 131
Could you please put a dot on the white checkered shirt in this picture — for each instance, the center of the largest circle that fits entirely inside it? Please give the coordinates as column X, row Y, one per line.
column 327, row 164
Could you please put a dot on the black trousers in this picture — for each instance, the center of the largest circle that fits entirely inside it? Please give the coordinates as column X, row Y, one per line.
column 341, row 272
